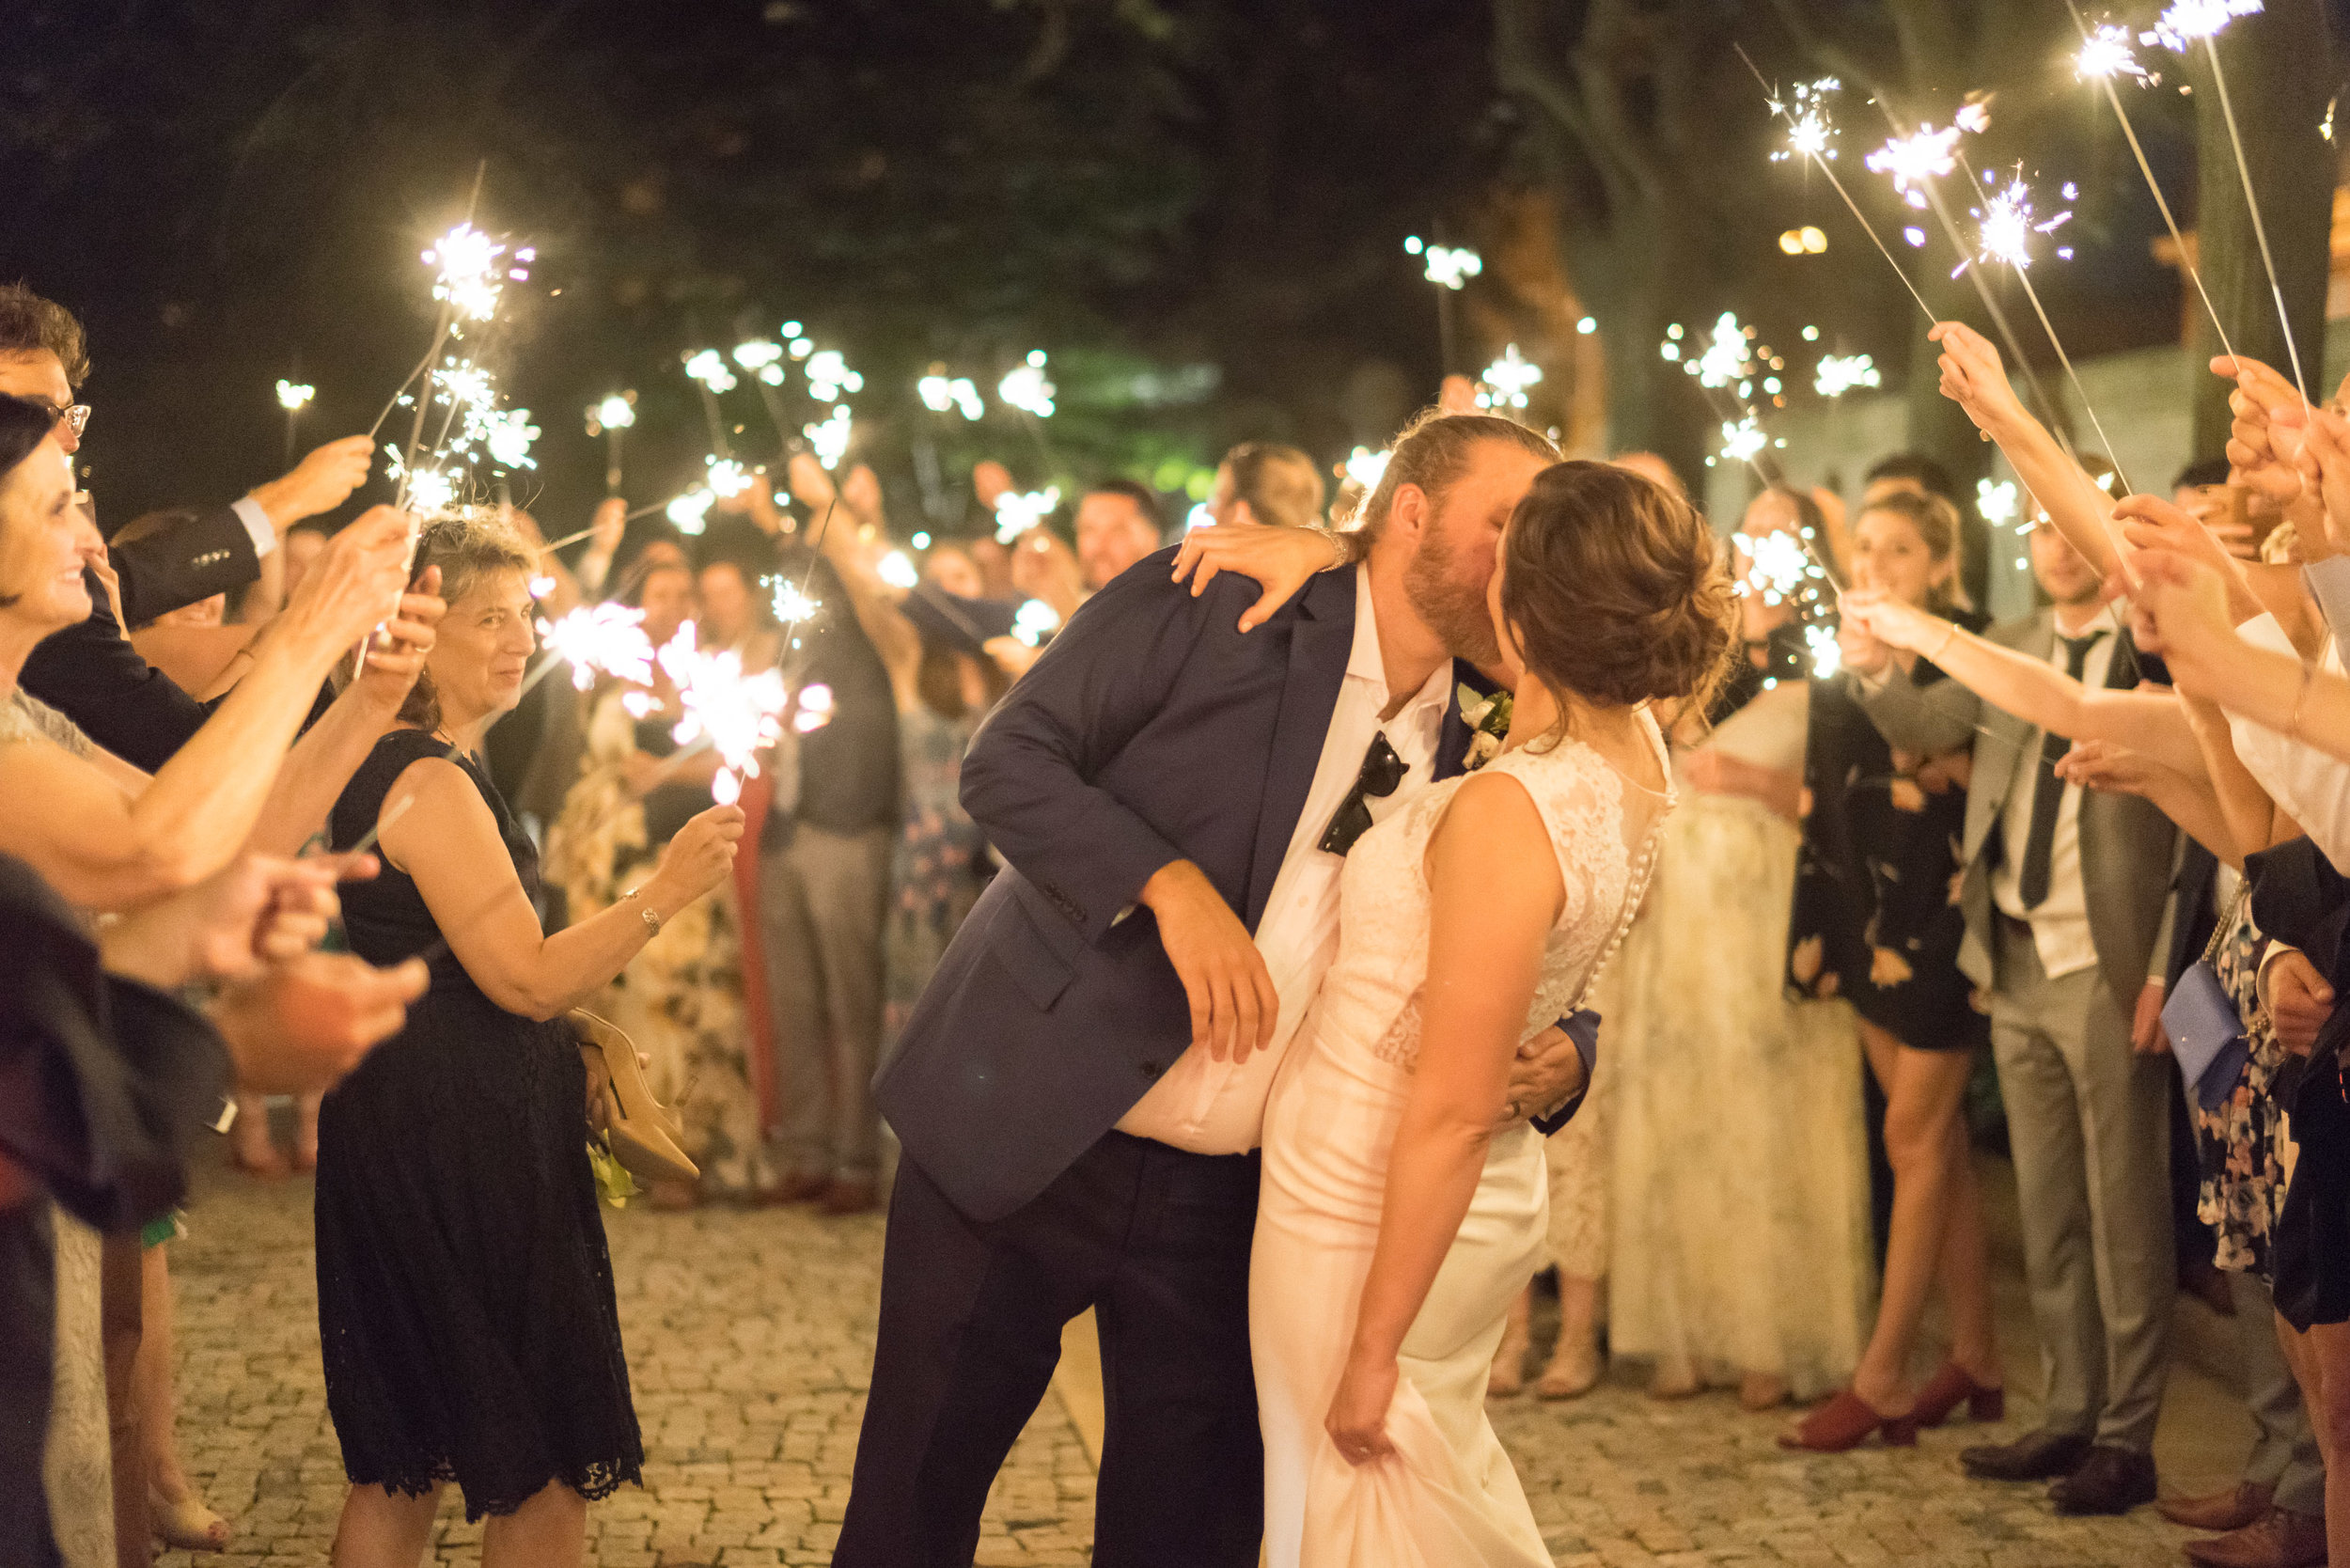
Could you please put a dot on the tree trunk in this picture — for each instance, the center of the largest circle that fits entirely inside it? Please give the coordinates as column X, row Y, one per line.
column 2279, row 72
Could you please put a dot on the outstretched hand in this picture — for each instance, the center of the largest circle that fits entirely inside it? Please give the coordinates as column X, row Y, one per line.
column 1972, row 376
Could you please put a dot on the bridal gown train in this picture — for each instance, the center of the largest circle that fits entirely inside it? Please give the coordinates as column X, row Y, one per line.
column 1447, row 1496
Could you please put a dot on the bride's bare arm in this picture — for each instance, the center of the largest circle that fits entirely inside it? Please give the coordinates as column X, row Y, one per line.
column 1282, row 561
column 1495, row 893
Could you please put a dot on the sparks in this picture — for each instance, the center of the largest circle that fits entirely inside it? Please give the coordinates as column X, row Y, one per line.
column 1509, row 376
column 1914, row 160
column 708, row 367
column 2190, row 20
column 2106, row 54
column 468, row 274
column 1017, row 511
column 1996, row 501
column 1727, row 358
column 1827, row 656
column 762, row 359
column 2008, row 226
column 1027, row 388
column 829, row 437
column 292, row 396
column 940, row 394
column 829, row 377
column 814, row 709
column 1743, row 440
column 1781, row 565
column 1811, row 132
column 1034, row 621
column 690, row 512
column 727, row 477
column 897, row 569
column 1367, row 467
column 616, row 413
column 1447, row 266
column 793, row 606
column 431, row 491
column 600, row 639
column 507, row 433
column 738, row 714
column 1837, row 374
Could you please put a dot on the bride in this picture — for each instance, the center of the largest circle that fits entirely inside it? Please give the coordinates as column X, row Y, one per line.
column 1398, row 1219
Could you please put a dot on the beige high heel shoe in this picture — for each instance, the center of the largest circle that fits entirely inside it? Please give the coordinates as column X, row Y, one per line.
column 641, row 1133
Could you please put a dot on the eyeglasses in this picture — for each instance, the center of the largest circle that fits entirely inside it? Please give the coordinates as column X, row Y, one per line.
column 1382, row 771
column 75, row 418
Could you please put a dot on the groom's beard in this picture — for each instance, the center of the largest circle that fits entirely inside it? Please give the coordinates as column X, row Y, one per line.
column 1452, row 602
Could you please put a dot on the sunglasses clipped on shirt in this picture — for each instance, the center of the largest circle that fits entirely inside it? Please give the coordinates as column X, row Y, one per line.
column 1382, row 771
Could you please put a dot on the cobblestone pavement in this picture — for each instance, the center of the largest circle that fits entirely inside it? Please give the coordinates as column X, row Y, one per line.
column 749, row 1335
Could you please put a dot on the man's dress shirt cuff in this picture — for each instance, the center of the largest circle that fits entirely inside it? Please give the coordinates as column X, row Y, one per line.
column 257, row 525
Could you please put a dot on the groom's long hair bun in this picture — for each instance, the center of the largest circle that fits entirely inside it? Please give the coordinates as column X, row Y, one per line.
column 1616, row 588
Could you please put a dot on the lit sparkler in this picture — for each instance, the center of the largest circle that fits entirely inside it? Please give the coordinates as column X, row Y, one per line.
column 739, row 714
column 1034, row 621
column 708, row 368
column 939, row 393
column 829, row 377
column 293, row 398
column 1367, row 467
column 1446, row 266
column 690, row 512
column 1027, row 388
column 2183, row 23
column 1997, row 501
column 1778, row 565
column 897, row 569
column 791, row 603
column 1743, row 440
column 2105, row 54
column 1837, row 374
column 729, row 478
column 1017, row 511
column 1509, row 377
column 762, row 359
column 1912, row 161
column 608, row 418
column 595, row 639
column 829, row 437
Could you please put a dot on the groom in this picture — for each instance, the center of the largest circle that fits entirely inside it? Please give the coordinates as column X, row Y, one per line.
column 1081, row 1089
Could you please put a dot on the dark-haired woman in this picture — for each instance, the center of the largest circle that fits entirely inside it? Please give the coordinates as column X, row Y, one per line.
column 465, row 1301
column 1876, row 921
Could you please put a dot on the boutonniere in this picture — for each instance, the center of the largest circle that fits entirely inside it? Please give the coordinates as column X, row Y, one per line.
column 1488, row 718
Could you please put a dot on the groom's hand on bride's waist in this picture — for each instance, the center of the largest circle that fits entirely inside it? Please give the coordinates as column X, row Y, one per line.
column 1547, row 1074
column 1233, row 1004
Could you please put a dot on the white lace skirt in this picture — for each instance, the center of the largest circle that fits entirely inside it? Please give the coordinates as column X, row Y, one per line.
column 1448, row 1494
column 1741, row 1181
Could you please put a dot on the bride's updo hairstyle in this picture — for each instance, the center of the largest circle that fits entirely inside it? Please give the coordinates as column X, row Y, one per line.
column 1617, row 591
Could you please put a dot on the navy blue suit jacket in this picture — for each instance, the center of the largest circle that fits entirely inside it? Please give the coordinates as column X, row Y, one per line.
column 1152, row 731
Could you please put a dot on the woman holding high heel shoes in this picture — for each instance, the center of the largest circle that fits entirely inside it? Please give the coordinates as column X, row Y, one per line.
column 466, row 1300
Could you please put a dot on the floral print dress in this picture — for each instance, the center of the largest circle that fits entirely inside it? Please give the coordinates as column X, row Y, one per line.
column 1876, row 917
column 2241, row 1145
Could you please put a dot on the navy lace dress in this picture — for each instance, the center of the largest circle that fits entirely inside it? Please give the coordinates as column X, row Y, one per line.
column 466, row 1305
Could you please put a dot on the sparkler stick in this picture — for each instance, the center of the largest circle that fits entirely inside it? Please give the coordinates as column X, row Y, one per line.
column 2104, row 74
column 2252, row 203
column 1811, row 142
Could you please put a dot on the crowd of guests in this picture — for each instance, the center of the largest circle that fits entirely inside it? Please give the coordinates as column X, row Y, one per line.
column 2092, row 844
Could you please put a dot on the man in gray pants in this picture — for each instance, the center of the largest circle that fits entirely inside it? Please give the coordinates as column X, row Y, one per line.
column 823, row 888
column 2066, row 897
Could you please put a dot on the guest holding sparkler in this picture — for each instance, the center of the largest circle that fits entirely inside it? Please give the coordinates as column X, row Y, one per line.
column 466, row 1300
column 1875, row 923
column 681, row 1000
column 950, row 658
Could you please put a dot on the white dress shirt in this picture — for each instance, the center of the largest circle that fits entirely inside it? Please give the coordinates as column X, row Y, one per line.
column 2313, row 788
column 2059, row 923
column 1208, row 1106
column 258, row 526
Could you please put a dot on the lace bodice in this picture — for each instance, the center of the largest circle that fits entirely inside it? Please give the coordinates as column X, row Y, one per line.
column 1372, row 995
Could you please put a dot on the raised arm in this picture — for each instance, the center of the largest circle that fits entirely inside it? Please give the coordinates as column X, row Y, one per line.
column 104, row 850
column 2030, row 688
column 1973, row 378
column 1930, row 719
column 1282, row 561
column 872, row 601
column 1494, row 892
column 448, row 841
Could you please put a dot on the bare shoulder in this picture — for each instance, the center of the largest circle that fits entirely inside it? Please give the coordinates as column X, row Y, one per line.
column 432, row 804
column 1493, row 832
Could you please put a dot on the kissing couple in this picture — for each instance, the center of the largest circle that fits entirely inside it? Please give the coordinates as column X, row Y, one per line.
column 1241, row 1049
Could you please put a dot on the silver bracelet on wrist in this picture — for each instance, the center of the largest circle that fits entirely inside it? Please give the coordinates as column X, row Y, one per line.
column 1338, row 548
column 652, row 921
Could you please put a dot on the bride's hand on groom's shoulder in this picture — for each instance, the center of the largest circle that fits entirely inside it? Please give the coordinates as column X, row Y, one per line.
column 1358, row 1422
column 1282, row 561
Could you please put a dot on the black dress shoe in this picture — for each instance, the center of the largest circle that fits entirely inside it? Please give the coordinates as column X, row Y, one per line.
column 2109, row 1480
column 2034, row 1456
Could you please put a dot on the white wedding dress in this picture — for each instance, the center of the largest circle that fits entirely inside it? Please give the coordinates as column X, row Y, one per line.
column 1447, row 1496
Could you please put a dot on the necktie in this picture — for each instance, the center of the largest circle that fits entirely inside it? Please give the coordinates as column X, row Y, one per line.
column 1382, row 771
column 2032, row 883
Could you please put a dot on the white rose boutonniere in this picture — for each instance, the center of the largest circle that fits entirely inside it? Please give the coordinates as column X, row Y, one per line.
column 1488, row 718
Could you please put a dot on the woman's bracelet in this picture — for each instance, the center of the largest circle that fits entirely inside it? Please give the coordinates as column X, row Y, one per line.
column 2292, row 724
column 1949, row 629
column 652, row 921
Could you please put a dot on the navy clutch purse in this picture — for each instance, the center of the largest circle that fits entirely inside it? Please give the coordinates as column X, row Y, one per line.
column 2206, row 1031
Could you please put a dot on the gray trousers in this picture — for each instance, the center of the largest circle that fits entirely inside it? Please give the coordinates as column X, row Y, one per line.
column 2090, row 1124
column 822, row 899
column 2284, row 1450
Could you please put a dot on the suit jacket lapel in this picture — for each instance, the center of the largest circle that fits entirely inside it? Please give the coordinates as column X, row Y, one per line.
column 1452, row 744
column 1319, row 647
